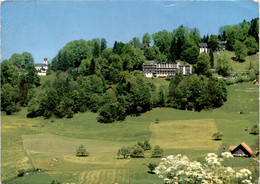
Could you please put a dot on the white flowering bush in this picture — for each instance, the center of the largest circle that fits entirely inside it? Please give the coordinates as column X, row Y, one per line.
column 180, row 170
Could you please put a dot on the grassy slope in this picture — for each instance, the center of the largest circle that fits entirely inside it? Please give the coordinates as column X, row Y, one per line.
column 254, row 59
column 24, row 140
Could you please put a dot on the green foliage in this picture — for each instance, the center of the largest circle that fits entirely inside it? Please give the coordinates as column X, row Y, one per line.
column 118, row 48
column 147, row 145
column 157, row 152
column 33, row 107
column 217, row 136
column 17, row 59
column 202, row 66
column 152, row 167
column 213, row 42
column 135, row 42
column 71, row 55
column 211, row 58
column 103, row 44
column 252, row 45
column 254, row 29
column 161, row 58
column 9, row 73
column 173, row 51
column 162, row 40
column 196, row 93
column 224, row 66
column 9, row 97
column 144, row 145
column 150, row 53
column 96, row 50
column 81, row 151
column 190, row 52
column 28, row 58
column 162, row 96
column 146, row 38
column 254, row 130
column 137, row 152
column 125, row 152
column 240, row 51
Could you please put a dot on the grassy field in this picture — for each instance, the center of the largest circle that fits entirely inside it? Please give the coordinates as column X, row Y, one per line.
column 183, row 134
column 253, row 59
column 50, row 144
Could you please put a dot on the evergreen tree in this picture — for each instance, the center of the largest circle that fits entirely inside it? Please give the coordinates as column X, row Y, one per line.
column 172, row 51
column 103, row 44
column 96, row 50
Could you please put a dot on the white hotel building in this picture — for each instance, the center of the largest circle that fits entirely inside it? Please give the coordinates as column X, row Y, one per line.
column 165, row 69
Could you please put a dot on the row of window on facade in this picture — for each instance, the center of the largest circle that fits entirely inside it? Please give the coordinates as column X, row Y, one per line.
column 165, row 69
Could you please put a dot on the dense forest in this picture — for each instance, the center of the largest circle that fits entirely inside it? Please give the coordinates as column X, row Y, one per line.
column 109, row 81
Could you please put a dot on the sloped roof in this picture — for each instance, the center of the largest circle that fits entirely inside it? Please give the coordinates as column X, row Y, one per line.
column 244, row 145
column 247, row 147
column 231, row 148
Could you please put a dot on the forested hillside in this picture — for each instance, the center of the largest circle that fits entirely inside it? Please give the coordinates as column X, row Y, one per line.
column 90, row 76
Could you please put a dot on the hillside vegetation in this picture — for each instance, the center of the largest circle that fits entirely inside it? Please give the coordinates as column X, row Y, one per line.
column 35, row 143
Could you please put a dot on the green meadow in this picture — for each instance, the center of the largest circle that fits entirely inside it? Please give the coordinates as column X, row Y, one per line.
column 252, row 60
column 50, row 144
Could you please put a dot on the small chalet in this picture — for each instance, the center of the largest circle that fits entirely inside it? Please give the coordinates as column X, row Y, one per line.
column 143, row 46
column 42, row 68
column 242, row 150
column 203, row 47
column 222, row 45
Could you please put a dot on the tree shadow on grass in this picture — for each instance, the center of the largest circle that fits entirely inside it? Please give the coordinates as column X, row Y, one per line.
column 151, row 172
column 216, row 139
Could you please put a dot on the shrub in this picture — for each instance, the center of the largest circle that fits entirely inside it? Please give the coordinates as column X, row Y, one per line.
column 147, row 145
column 254, row 130
column 81, row 151
column 152, row 167
column 217, row 136
column 157, row 152
column 21, row 172
column 137, row 152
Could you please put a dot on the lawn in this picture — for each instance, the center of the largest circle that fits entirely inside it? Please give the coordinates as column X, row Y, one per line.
column 50, row 144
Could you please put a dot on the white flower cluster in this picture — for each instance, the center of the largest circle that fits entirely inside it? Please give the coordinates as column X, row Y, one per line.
column 179, row 169
column 213, row 160
column 227, row 155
